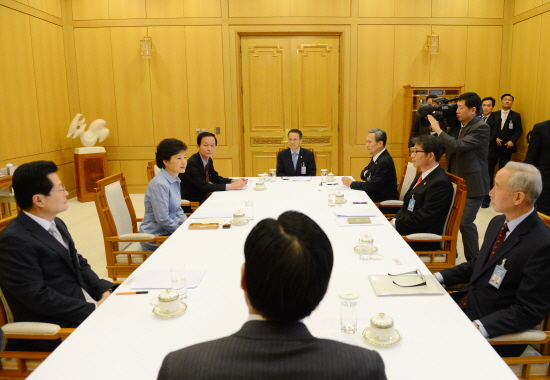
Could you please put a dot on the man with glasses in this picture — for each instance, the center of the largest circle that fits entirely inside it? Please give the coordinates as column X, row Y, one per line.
column 295, row 161
column 427, row 202
column 508, row 282
column 42, row 276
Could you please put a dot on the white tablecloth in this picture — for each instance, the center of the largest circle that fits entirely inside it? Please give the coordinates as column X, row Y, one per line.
column 124, row 340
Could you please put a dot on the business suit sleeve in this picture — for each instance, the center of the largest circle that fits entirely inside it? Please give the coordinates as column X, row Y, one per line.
column 517, row 128
column 377, row 179
column 280, row 164
column 474, row 139
column 196, row 177
column 535, row 147
column 460, row 274
column 495, row 128
column 311, row 167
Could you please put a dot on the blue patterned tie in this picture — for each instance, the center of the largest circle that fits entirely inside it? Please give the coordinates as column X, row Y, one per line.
column 294, row 159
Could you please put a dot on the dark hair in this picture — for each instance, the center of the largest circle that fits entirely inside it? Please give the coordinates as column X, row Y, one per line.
column 30, row 179
column 502, row 97
column 429, row 144
column 288, row 263
column 295, row 131
column 166, row 149
column 205, row 134
column 472, row 100
column 379, row 135
column 431, row 96
column 489, row 98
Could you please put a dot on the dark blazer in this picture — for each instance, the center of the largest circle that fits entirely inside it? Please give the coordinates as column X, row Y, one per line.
column 285, row 168
column 467, row 152
column 420, row 127
column 538, row 152
column 193, row 182
column 491, row 120
column 506, row 133
column 523, row 299
column 270, row 350
column 380, row 179
column 432, row 200
column 41, row 280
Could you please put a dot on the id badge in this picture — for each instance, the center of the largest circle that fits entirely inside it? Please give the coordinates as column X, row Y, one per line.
column 368, row 178
column 410, row 207
column 303, row 168
column 498, row 275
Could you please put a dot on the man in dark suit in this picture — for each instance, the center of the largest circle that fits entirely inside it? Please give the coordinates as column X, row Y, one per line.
column 505, row 132
column 538, row 154
column 295, row 161
column 427, row 202
column 420, row 125
column 288, row 263
column 467, row 148
column 487, row 105
column 42, row 276
column 200, row 178
column 379, row 175
column 508, row 282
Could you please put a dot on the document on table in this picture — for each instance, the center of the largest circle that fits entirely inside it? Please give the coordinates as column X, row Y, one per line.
column 300, row 178
column 209, row 214
column 383, row 285
column 358, row 211
column 343, row 222
column 161, row 279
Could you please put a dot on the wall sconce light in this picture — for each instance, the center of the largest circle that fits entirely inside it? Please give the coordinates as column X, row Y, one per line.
column 146, row 47
column 433, row 43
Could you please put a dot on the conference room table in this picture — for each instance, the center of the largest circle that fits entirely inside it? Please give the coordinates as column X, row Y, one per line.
column 123, row 339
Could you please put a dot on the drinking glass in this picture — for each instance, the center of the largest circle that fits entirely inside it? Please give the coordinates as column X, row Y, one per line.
column 365, row 246
column 179, row 283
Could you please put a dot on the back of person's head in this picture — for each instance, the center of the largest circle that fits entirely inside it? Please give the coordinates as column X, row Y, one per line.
column 168, row 148
column 30, row 179
column 288, row 263
column 502, row 97
column 493, row 100
column 429, row 144
column 472, row 100
column 525, row 178
column 431, row 96
column 202, row 135
column 295, row 131
column 379, row 135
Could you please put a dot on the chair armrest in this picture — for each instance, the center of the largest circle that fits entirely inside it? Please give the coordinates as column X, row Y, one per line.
column 136, row 237
column 139, row 220
column 524, row 337
column 31, row 328
column 160, row 239
column 185, row 202
column 423, row 236
column 391, row 203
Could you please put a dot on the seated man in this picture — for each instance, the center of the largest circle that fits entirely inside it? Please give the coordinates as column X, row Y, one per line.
column 508, row 282
column 288, row 263
column 427, row 202
column 381, row 181
column 295, row 161
column 42, row 276
column 200, row 178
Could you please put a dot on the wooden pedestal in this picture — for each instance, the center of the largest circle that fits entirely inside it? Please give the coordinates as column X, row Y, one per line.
column 89, row 168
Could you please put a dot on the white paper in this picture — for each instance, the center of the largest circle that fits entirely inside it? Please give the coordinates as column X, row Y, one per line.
column 337, row 187
column 383, row 285
column 161, row 279
column 359, row 211
column 209, row 214
column 300, row 178
column 343, row 222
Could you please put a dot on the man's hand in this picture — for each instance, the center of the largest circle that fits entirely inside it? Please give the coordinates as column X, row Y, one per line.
column 499, row 142
column 509, row 144
column 238, row 184
column 103, row 297
column 434, row 124
column 347, row 181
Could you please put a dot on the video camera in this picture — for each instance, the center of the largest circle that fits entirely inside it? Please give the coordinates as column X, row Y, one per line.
column 441, row 110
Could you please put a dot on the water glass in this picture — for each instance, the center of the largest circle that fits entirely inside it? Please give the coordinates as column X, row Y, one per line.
column 365, row 246
column 348, row 312
column 179, row 282
column 272, row 175
column 249, row 209
column 331, row 198
column 323, row 175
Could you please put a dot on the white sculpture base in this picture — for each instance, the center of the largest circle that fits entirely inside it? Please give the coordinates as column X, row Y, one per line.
column 89, row 149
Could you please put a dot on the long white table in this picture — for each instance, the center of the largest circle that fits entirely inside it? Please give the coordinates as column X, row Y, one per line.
column 122, row 339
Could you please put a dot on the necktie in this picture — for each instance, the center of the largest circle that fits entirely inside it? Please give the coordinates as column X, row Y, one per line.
column 207, row 177
column 504, row 117
column 55, row 233
column 419, row 180
column 294, row 159
column 500, row 239
column 484, row 118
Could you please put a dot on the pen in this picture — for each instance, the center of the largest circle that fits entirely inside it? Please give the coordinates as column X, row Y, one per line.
column 129, row 293
column 360, row 203
column 329, row 184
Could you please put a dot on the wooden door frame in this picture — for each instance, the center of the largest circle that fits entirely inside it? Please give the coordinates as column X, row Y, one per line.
column 276, row 30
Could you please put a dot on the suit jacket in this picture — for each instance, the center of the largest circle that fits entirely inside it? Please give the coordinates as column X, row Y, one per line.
column 523, row 299
column 467, row 152
column 41, row 280
column 432, row 200
column 285, row 167
column 538, row 152
column 420, row 127
column 193, row 182
column 491, row 120
column 506, row 133
column 380, row 179
column 271, row 350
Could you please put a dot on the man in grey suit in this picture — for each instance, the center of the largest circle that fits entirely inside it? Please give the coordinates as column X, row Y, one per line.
column 288, row 263
column 467, row 149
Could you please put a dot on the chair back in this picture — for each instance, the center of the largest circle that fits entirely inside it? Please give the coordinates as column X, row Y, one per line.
column 545, row 218
column 152, row 170
column 409, row 172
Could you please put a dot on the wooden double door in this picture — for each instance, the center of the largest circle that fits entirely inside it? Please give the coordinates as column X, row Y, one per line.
column 289, row 82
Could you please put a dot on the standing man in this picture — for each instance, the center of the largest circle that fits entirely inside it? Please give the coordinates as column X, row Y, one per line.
column 42, row 276
column 467, row 150
column 379, row 175
column 538, row 154
column 420, row 125
column 200, row 178
column 489, row 117
column 508, row 282
column 288, row 263
column 295, row 161
column 505, row 132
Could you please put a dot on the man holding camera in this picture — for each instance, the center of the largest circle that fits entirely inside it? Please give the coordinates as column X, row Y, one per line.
column 467, row 151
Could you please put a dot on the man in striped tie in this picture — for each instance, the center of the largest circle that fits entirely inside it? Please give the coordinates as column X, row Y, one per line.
column 508, row 282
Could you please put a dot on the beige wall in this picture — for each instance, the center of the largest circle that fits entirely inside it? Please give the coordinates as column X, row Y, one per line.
column 64, row 57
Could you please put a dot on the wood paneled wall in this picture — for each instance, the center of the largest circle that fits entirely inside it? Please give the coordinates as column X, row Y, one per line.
column 62, row 57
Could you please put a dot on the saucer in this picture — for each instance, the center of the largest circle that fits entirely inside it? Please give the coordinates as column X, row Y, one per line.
column 260, row 188
column 331, row 180
column 341, row 202
column 390, row 342
column 373, row 256
column 161, row 314
column 239, row 224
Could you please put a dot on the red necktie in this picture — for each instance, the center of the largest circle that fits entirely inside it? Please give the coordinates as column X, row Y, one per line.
column 419, row 180
column 207, row 177
column 500, row 239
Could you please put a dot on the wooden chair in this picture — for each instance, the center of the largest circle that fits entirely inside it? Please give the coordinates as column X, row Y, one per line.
column 20, row 364
column 152, row 171
column 119, row 225
column 545, row 218
column 409, row 172
column 6, row 196
column 446, row 257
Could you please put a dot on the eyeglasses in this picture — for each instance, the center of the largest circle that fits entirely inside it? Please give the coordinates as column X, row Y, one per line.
column 63, row 188
column 417, row 151
column 417, row 272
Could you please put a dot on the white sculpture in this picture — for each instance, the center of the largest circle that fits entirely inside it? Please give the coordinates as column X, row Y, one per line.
column 96, row 131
